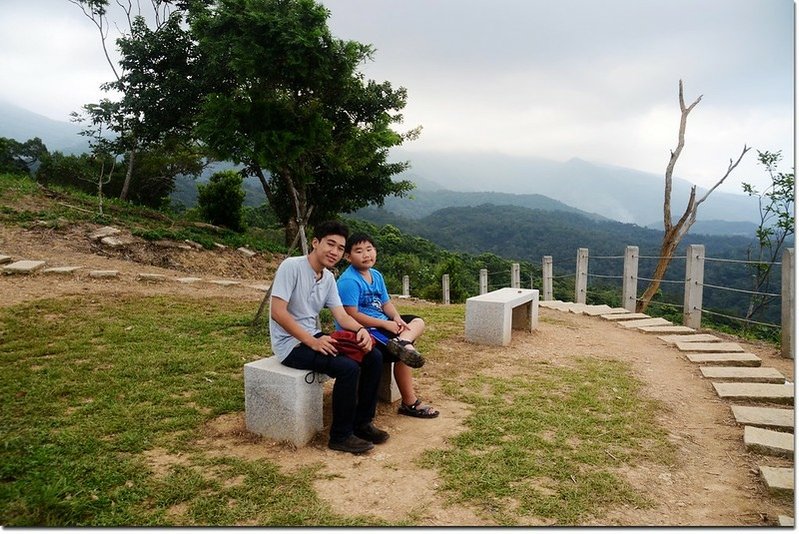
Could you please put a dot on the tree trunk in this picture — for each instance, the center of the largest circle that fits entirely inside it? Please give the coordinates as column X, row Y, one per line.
column 123, row 195
column 294, row 227
column 666, row 255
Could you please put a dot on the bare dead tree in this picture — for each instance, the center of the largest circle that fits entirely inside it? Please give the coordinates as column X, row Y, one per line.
column 674, row 232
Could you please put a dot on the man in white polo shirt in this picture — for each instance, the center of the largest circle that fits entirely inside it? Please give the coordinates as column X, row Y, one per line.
column 303, row 285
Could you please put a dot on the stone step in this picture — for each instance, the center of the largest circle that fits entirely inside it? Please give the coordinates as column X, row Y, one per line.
column 151, row 277
column 764, row 441
column 260, row 287
column 667, row 329
column 629, row 316
column 597, row 309
column 225, row 282
column 774, row 418
column 689, row 338
column 103, row 274
column 778, row 480
column 744, row 374
column 4, row 259
column 188, row 280
column 777, row 393
column 589, row 309
column 785, row 521
column 577, row 308
column 549, row 303
column 23, row 266
column 105, row 231
column 247, row 252
column 737, row 359
column 638, row 323
column 557, row 305
column 61, row 270
column 709, row 347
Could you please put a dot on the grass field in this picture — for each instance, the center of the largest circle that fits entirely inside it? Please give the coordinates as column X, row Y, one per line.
column 90, row 385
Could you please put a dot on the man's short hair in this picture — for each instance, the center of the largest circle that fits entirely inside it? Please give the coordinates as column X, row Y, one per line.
column 356, row 238
column 327, row 228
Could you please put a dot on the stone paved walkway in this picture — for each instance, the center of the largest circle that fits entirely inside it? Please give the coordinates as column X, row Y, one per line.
column 8, row 266
column 737, row 376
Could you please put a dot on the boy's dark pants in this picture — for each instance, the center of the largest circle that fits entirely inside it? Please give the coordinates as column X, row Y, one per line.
column 355, row 388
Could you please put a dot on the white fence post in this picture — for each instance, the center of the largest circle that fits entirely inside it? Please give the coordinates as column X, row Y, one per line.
column 694, row 278
column 788, row 300
column 515, row 276
column 629, row 289
column 581, row 276
column 546, row 273
column 483, row 281
column 445, row 288
column 406, row 286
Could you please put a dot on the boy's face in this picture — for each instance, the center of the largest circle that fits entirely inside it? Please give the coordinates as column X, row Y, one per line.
column 362, row 256
column 329, row 249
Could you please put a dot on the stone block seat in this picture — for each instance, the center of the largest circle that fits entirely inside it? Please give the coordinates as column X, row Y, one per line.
column 491, row 316
column 285, row 404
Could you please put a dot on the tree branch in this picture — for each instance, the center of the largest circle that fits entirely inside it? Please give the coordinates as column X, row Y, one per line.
column 729, row 170
column 675, row 154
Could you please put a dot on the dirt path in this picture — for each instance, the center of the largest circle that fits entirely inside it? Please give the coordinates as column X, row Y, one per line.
column 715, row 482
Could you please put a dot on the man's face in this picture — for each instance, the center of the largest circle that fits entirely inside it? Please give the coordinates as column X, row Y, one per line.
column 362, row 256
column 329, row 249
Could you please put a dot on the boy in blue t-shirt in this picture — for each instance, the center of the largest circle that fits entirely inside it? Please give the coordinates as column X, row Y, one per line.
column 365, row 297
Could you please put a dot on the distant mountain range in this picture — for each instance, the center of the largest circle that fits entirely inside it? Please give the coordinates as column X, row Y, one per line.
column 618, row 193
column 21, row 124
column 445, row 180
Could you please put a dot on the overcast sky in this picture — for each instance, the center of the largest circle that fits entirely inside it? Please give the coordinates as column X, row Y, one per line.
column 595, row 79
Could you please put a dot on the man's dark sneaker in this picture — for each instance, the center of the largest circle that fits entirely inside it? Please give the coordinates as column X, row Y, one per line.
column 371, row 433
column 352, row 444
column 409, row 357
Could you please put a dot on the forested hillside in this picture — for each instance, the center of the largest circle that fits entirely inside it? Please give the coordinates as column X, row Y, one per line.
column 523, row 234
column 529, row 234
column 422, row 202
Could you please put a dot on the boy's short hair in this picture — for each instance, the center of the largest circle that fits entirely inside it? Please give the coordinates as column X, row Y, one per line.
column 327, row 228
column 358, row 237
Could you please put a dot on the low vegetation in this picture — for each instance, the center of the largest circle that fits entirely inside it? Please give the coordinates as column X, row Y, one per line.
column 93, row 389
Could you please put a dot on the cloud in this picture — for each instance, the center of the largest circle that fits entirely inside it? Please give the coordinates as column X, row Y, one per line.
column 573, row 78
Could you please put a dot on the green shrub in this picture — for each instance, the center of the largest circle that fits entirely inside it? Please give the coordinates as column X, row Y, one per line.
column 80, row 172
column 220, row 200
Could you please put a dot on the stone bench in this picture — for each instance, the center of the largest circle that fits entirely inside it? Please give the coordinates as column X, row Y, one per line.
column 491, row 316
column 280, row 404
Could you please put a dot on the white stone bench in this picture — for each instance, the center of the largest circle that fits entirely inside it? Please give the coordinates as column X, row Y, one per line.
column 279, row 404
column 491, row 316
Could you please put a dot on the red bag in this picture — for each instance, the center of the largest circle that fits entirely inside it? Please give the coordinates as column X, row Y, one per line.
column 347, row 344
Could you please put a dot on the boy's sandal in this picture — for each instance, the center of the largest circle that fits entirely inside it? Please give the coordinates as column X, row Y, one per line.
column 415, row 410
column 410, row 357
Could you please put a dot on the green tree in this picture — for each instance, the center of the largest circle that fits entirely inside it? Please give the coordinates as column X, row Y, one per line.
column 19, row 158
column 286, row 100
column 777, row 223
column 220, row 200
column 158, row 86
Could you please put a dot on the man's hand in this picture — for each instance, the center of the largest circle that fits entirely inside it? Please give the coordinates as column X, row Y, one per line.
column 364, row 339
column 324, row 344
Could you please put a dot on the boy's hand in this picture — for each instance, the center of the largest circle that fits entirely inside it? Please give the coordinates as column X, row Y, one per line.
column 364, row 339
column 395, row 327
column 402, row 324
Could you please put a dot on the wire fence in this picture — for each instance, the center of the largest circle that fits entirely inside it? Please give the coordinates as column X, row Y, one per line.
column 606, row 278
